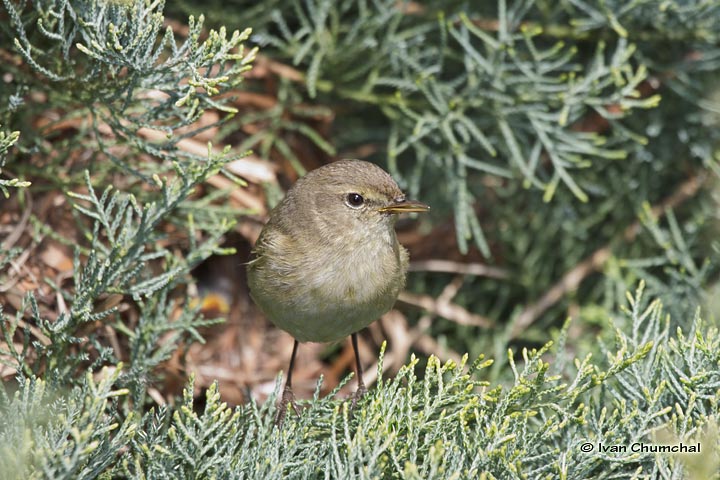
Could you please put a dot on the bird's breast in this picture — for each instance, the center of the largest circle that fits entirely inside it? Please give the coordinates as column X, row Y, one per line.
column 335, row 290
column 366, row 272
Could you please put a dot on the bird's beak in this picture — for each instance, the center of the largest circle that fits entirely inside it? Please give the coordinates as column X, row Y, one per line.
column 402, row 205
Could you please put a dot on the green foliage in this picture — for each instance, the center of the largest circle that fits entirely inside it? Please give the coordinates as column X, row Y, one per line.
column 467, row 96
column 109, row 65
column 651, row 388
column 123, row 239
column 545, row 129
column 107, row 69
column 7, row 140
column 48, row 433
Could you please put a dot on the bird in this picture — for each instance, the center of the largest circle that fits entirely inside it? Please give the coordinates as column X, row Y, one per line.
column 328, row 262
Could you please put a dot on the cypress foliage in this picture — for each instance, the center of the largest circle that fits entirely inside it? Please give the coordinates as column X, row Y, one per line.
column 569, row 147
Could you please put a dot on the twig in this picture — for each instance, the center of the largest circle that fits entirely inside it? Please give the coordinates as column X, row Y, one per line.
column 400, row 339
column 251, row 167
column 10, row 241
column 36, row 332
column 445, row 309
column 448, row 266
column 427, row 344
column 17, row 232
column 572, row 279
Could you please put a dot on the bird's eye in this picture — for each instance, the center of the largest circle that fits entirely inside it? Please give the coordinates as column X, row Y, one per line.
column 355, row 200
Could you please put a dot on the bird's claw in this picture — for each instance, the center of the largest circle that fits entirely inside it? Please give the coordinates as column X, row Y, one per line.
column 359, row 393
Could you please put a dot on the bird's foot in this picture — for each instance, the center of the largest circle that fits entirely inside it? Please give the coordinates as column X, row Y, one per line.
column 359, row 393
column 288, row 398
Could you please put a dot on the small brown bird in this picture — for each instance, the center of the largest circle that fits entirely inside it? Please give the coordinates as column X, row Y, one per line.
column 328, row 262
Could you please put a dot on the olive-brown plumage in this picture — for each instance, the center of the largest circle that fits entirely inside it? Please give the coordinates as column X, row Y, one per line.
column 328, row 262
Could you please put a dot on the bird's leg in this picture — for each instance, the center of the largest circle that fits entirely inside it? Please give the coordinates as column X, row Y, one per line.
column 288, row 397
column 361, row 390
